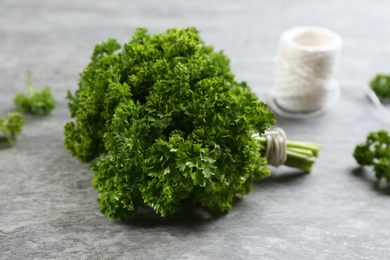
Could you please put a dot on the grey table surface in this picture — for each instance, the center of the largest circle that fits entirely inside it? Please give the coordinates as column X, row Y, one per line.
column 48, row 207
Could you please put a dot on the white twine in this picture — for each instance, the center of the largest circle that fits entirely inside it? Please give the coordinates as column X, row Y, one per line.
column 385, row 114
column 304, row 84
column 276, row 147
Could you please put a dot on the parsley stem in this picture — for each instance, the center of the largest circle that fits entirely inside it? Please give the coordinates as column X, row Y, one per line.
column 29, row 82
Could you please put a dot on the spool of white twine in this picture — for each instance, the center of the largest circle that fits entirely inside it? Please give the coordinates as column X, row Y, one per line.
column 304, row 83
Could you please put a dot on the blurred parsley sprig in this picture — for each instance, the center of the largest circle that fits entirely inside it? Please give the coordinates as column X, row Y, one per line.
column 375, row 151
column 35, row 102
column 380, row 84
column 11, row 126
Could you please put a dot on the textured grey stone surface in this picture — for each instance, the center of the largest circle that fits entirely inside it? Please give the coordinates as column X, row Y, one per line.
column 47, row 204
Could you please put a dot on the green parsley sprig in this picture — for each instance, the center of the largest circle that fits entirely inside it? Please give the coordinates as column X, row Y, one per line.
column 35, row 102
column 11, row 125
column 380, row 84
column 375, row 151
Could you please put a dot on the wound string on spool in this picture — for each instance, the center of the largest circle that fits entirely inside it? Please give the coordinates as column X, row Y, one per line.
column 304, row 84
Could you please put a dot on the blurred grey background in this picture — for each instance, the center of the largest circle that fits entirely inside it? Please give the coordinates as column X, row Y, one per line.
column 47, row 204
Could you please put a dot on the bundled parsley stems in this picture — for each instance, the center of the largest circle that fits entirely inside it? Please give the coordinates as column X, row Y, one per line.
column 166, row 126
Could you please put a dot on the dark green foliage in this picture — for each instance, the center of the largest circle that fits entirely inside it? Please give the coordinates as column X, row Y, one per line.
column 375, row 152
column 35, row 102
column 11, row 125
column 381, row 86
column 168, row 124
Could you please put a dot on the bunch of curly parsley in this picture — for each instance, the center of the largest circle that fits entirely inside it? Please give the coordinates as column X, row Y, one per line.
column 168, row 125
